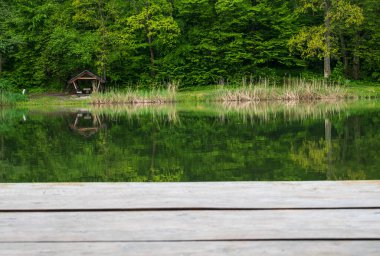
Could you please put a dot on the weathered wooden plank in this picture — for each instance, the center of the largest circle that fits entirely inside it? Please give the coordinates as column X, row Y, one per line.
column 257, row 248
column 190, row 195
column 189, row 225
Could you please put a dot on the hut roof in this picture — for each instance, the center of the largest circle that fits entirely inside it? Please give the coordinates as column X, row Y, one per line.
column 86, row 75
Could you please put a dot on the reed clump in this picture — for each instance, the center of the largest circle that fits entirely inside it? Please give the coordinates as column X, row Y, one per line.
column 291, row 90
column 10, row 98
column 131, row 96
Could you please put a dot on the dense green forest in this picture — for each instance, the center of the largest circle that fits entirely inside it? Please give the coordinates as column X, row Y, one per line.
column 197, row 42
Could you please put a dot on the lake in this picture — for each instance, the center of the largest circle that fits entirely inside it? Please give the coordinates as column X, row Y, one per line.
column 192, row 142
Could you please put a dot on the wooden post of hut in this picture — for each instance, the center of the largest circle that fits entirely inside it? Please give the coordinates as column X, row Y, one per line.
column 96, row 83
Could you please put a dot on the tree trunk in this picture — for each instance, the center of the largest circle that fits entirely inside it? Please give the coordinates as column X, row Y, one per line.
column 345, row 141
column 152, row 169
column 328, row 132
column 357, row 138
column 151, row 51
column 1, row 62
column 330, row 173
column 356, row 59
column 356, row 67
column 344, row 55
column 102, row 28
column 327, row 60
column 149, row 38
column 2, row 152
column 172, row 7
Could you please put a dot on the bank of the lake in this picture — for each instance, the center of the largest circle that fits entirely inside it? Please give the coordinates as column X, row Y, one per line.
column 214, row 93
column 352, row 90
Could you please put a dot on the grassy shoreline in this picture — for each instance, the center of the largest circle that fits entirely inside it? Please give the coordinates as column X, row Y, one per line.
column 10, row 98
column 155, row 96
column 294, row 89
column 278, row 93
column 303, row 91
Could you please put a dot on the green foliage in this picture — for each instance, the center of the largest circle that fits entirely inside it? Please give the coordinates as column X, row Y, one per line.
column 337, row 35
column 198, row 42
column 9, row 94
column 311, row 41
column 338, row 73
column 6, row 85
column 367, row 44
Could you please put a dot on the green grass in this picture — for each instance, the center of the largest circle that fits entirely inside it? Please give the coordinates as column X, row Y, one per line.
column 10, row 98
column 51, row 100
column 265, row 89
column 296, row 89
column 197, row 93
column 288, row 93
column 154, row 96
column 243, row 92
column 363, row 89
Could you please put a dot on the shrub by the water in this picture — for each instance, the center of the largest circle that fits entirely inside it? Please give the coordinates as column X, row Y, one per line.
column 8, row 96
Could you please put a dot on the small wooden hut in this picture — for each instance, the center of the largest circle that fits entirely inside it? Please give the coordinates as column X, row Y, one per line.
column 96, row 82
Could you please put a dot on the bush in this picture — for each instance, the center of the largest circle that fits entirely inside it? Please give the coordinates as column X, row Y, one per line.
column 6, row 85
column 8, row 94
column 337, row 74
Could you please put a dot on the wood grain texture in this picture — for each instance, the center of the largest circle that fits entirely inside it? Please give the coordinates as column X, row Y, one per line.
column 244, row 195
column 267, row 248
column 189, row 225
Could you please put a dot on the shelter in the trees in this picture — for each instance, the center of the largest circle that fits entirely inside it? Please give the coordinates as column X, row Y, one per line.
column 86, row 82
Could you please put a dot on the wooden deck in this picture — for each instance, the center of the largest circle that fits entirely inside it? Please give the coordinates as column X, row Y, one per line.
column 235, row 218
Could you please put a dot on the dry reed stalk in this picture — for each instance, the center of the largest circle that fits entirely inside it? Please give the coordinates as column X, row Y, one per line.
column 291, row 90
column 155, row 96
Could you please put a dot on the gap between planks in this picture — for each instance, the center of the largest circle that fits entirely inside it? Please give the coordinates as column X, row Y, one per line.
column 184, row 209
column 315, row 248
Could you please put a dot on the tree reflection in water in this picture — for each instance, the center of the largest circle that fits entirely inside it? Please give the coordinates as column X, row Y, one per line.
column 200, row 142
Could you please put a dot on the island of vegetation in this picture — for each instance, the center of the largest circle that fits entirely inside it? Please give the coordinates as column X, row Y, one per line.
column 155, row 51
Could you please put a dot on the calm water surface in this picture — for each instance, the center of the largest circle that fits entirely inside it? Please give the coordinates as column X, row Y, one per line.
column 265, row 142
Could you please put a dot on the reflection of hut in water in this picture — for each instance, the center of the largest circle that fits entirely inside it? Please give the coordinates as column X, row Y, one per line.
column 86, row 124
